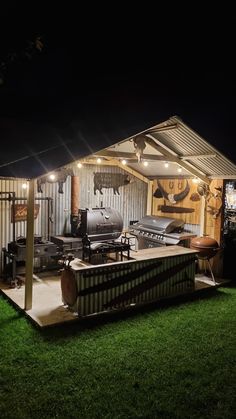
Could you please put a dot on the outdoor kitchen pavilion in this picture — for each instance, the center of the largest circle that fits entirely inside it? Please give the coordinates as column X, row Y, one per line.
column 166, row 157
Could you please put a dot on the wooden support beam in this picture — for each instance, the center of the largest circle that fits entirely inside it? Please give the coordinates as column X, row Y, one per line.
column 128, row 156
column 149, row 197
column 203, row 216
column 126, row 168
column 29, row 247
column 168, row 154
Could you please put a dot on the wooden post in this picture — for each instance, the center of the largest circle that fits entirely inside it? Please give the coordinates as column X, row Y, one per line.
column 203, row 216
column 149, row 197
column 29, row 247
column 74, row 195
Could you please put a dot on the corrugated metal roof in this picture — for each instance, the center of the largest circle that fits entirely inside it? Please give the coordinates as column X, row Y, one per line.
column 185, row 142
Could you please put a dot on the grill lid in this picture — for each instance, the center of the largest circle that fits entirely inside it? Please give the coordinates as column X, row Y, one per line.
column 159, row 224
column 99, row 224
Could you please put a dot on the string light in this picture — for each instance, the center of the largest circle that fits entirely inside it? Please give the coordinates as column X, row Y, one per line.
column 24, row 185
column 79, row 165
column 99, row 160
column 179, row 169
column 145, row 163
column 52, row 177
column 123, row 162
column 166, row 164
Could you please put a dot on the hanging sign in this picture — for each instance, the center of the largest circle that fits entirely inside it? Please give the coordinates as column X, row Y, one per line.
column 21, row 212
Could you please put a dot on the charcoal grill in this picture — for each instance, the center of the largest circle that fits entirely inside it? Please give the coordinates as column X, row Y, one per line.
column 207, row 248
column 101, row 232
column 154, row 231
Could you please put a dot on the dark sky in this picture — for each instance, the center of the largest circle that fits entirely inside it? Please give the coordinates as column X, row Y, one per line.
column 104, row 70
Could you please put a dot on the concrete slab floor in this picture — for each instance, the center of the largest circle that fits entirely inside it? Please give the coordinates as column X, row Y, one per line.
column 48, row 308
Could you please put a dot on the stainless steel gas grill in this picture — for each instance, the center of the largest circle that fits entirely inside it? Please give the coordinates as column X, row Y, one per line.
column 155, row 231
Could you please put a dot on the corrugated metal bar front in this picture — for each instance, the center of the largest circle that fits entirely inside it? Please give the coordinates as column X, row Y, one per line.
column 101, row 288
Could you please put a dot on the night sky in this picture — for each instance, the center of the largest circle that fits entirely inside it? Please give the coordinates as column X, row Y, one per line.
column 124, row 70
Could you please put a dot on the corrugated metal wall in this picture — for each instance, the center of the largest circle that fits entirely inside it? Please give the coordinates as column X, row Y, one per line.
column 54, row 215
column 192, row 228
column 59, row 213
column 131, row 203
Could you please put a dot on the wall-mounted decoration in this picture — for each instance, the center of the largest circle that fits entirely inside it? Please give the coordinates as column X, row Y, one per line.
column 203, row 189
column 195, row 197
column 214, row 211
column 110, row 180
column 139, row 145
column 59, row 176
column 21, row 212
column 157, row 193
column 171, row 209
column 172, row 198
column 213, row 199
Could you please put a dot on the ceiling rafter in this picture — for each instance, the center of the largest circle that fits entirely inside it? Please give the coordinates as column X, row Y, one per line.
column 168, row 154
column 127, row 155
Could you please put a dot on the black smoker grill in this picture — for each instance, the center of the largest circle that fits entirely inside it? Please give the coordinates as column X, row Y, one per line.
column 99, row 224
column 99, row 229
column 155, row 231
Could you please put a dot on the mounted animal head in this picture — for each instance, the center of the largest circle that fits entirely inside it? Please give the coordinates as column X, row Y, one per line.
column 139, row 145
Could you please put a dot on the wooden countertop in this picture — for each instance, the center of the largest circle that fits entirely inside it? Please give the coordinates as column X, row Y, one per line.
column 143, row 254
column 160, row 252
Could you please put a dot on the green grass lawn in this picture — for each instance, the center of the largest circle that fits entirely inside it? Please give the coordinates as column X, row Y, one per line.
column 173, row 362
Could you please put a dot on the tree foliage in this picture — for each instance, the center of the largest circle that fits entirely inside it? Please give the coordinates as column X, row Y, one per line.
column 26, row 53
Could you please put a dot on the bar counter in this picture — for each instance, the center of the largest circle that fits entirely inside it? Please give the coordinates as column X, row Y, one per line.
column 152, row 274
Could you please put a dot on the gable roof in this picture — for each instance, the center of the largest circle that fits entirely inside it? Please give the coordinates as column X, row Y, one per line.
column 44, row 149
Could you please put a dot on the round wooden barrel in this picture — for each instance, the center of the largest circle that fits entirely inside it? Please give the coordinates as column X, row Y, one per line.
column 68, row 287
